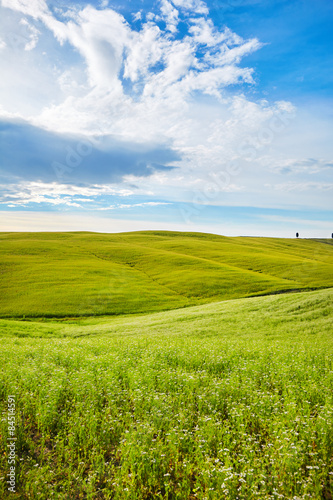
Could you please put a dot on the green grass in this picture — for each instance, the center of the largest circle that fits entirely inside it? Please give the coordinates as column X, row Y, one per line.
column 230, row 400
column 86, row 274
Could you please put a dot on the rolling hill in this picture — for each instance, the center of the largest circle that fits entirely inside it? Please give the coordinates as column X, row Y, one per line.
column 84, row 274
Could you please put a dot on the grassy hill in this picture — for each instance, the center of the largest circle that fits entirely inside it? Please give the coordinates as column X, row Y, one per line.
column 223, row 401
column 82, row 274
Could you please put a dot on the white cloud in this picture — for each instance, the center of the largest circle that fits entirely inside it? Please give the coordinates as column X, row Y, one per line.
column 178, row 60
column 234, row 55
column 137, row 16
column 205, row 33
column 33, row 8
column 170, row 15
column 133, row 205
column 33, row 35
column 308, row 166
column 144, row 50
column 101, row 37
column 196, row 6
column 303, row 186
column 38, row 10
column 22, row 199
column 23, row 193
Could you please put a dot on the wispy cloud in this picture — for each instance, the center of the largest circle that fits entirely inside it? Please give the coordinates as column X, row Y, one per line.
column 133, row 205
column 33, row 35
column 303, row 186
column 26, row 193
column 301, row 166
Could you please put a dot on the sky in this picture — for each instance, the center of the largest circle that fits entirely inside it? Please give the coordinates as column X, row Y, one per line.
column 178, row 115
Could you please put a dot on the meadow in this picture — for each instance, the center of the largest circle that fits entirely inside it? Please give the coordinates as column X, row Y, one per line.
column 230, row 400
column 90, row 274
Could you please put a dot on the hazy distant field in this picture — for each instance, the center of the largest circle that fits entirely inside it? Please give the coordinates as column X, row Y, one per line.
column 75, row 274
column 221, row 401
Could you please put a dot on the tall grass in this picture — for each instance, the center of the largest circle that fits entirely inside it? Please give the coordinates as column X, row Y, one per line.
column 224, row 401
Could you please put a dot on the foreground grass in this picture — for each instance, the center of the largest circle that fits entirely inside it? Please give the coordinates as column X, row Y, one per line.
column 224, row 401
column 86, row 274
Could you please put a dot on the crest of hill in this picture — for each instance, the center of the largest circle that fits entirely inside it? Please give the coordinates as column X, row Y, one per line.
column 85, row 274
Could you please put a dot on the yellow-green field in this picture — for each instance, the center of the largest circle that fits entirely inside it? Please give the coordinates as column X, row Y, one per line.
column 84, row 274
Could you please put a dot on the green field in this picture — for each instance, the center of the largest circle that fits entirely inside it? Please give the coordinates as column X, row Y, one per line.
column 85, row 274
column 231, row 400
column 123, row 393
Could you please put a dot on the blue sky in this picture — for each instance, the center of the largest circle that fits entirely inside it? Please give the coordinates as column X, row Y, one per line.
column 172, row 114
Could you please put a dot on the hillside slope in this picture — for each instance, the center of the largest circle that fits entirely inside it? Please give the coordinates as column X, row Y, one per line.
column 75, row 274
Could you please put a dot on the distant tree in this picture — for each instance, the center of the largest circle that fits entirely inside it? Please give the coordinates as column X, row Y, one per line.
column 332, row 235
column 297, row 235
